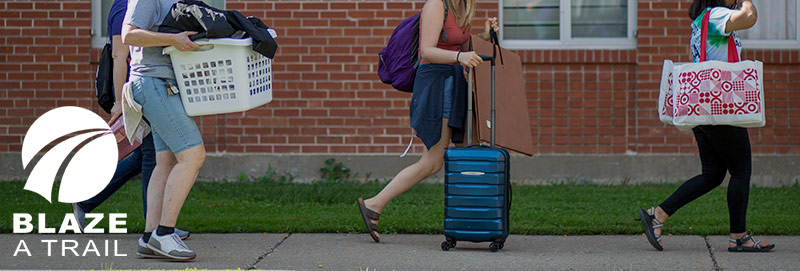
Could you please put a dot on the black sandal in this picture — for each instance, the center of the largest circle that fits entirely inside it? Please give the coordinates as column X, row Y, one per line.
column 648, row 221
column 741, row 248
column 368, row 216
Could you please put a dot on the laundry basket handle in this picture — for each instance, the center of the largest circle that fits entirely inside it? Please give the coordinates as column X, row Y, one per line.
column 212, row 42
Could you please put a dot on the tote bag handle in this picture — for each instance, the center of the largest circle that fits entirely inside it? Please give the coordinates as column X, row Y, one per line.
column 733, row 54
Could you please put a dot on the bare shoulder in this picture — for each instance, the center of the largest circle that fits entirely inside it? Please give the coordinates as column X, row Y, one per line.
column 433, row 5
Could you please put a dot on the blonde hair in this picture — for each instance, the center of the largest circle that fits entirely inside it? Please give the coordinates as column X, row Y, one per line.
column 467, row 15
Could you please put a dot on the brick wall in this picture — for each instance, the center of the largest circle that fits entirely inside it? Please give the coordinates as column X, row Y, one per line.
column 663, row 34
column 45, row 62
column 328, row 98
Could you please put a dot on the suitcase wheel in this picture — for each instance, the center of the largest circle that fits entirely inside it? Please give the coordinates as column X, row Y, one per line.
column 494, row 247
column 447, row 245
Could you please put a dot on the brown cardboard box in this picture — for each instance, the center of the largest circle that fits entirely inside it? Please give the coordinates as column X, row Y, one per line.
column 513, row 122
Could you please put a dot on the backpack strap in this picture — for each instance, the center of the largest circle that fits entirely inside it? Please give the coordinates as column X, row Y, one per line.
column 443, row 36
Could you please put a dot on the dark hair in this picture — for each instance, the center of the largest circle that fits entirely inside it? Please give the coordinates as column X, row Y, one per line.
column 698, row 6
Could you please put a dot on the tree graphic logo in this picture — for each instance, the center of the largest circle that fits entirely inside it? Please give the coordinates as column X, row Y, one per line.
column 84, row 146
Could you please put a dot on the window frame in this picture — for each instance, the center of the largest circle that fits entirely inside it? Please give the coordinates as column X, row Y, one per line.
column 98, row 22
column 776, row 44
column 98, row 40
column 566, row 40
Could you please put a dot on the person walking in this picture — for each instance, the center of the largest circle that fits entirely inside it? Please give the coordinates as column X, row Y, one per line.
column 722, row 148
column 438, row 103
column 178, row 143
column 143, row 159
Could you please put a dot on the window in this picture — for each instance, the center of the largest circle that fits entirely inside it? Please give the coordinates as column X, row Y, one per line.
column 100, row 9
column 595, row 24
column 776, row 26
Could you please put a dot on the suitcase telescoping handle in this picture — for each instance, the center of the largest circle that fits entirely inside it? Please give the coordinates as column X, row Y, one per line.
column 470, row 84
column 495, row 44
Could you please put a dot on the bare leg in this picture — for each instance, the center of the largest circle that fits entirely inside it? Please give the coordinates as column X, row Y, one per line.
column 430, row 163
column 165, row 161
column 180, row 182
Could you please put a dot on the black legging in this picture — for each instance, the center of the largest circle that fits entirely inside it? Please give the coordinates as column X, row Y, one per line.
column 722, row 149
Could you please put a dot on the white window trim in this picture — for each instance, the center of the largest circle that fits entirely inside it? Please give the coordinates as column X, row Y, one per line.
column 567, row 42
column 98, row 40
column 776, row 44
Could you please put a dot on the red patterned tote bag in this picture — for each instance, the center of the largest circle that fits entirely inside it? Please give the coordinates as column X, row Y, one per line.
column 712, row 92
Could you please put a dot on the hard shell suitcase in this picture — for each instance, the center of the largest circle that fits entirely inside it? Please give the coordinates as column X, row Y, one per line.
column 477, row 188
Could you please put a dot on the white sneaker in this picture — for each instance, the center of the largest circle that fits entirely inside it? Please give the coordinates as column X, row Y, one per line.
column 171, row 247
column 145, row 252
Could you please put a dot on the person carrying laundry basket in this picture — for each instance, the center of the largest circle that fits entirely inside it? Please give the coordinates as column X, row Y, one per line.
column 178, row 143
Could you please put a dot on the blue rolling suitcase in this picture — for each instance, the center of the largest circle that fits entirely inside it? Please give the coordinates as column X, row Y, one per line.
column 477, row 189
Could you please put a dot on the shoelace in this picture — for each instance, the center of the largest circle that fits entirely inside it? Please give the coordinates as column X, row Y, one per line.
column 178, row 240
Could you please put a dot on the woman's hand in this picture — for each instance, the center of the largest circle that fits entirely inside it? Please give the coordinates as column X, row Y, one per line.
column 491, row 23
column 469, row 59
column 116, row 111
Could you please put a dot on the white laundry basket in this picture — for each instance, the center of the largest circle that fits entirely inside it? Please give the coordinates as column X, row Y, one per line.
column 223, row 76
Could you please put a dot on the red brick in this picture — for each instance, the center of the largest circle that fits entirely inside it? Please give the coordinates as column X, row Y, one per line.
column 305, row 14
column 343, row 5
column 19, row 5
column 581, row 101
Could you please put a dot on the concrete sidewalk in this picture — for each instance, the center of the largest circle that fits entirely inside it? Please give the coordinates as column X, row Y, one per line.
column 403, row 252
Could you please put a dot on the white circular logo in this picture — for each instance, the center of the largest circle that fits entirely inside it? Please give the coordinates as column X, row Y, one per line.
column 81, row 133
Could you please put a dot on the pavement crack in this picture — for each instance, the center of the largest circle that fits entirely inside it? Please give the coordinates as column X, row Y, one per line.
column 711, row 253
column 268, row 252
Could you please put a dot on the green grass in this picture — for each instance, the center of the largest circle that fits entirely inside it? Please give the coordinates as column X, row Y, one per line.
column 276, row 206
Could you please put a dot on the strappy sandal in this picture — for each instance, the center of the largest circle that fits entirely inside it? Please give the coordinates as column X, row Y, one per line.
column 741, row 248
column 649, row 224
column 368, row 216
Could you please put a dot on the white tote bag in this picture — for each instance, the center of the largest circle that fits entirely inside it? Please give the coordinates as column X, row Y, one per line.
column 719, row 93
column 712, row 92
column 665, row 94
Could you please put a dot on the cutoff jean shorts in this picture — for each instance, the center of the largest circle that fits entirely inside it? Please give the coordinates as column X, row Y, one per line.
column 171, row 127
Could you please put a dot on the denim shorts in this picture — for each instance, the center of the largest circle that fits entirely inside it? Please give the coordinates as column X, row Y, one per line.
column 172, row 129
column 447, row 102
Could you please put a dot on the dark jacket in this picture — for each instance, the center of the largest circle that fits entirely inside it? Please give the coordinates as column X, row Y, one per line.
column 209, row 22
column 427, row 102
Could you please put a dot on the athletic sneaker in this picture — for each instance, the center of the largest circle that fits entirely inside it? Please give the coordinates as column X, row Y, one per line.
column 182, row 234
column 145, row 252
column 80, row 216
column 171, row 246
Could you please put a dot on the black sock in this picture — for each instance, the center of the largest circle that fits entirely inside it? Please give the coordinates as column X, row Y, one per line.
column 164, row 230
column 146, row 236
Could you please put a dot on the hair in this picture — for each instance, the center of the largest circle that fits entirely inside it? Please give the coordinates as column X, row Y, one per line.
column 698, row 6
column 467, row 15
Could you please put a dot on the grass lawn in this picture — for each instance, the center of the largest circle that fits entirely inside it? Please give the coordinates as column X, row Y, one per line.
column 275, row 206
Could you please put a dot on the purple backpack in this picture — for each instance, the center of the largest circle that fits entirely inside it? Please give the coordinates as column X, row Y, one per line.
column 398, row 61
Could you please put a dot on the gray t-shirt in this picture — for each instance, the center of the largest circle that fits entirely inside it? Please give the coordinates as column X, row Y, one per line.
column 148, row 15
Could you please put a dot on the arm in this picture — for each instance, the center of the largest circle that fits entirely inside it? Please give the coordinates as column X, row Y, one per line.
column 120, row 55
column 743, row 18
column 134, row 36
column 430, row 25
